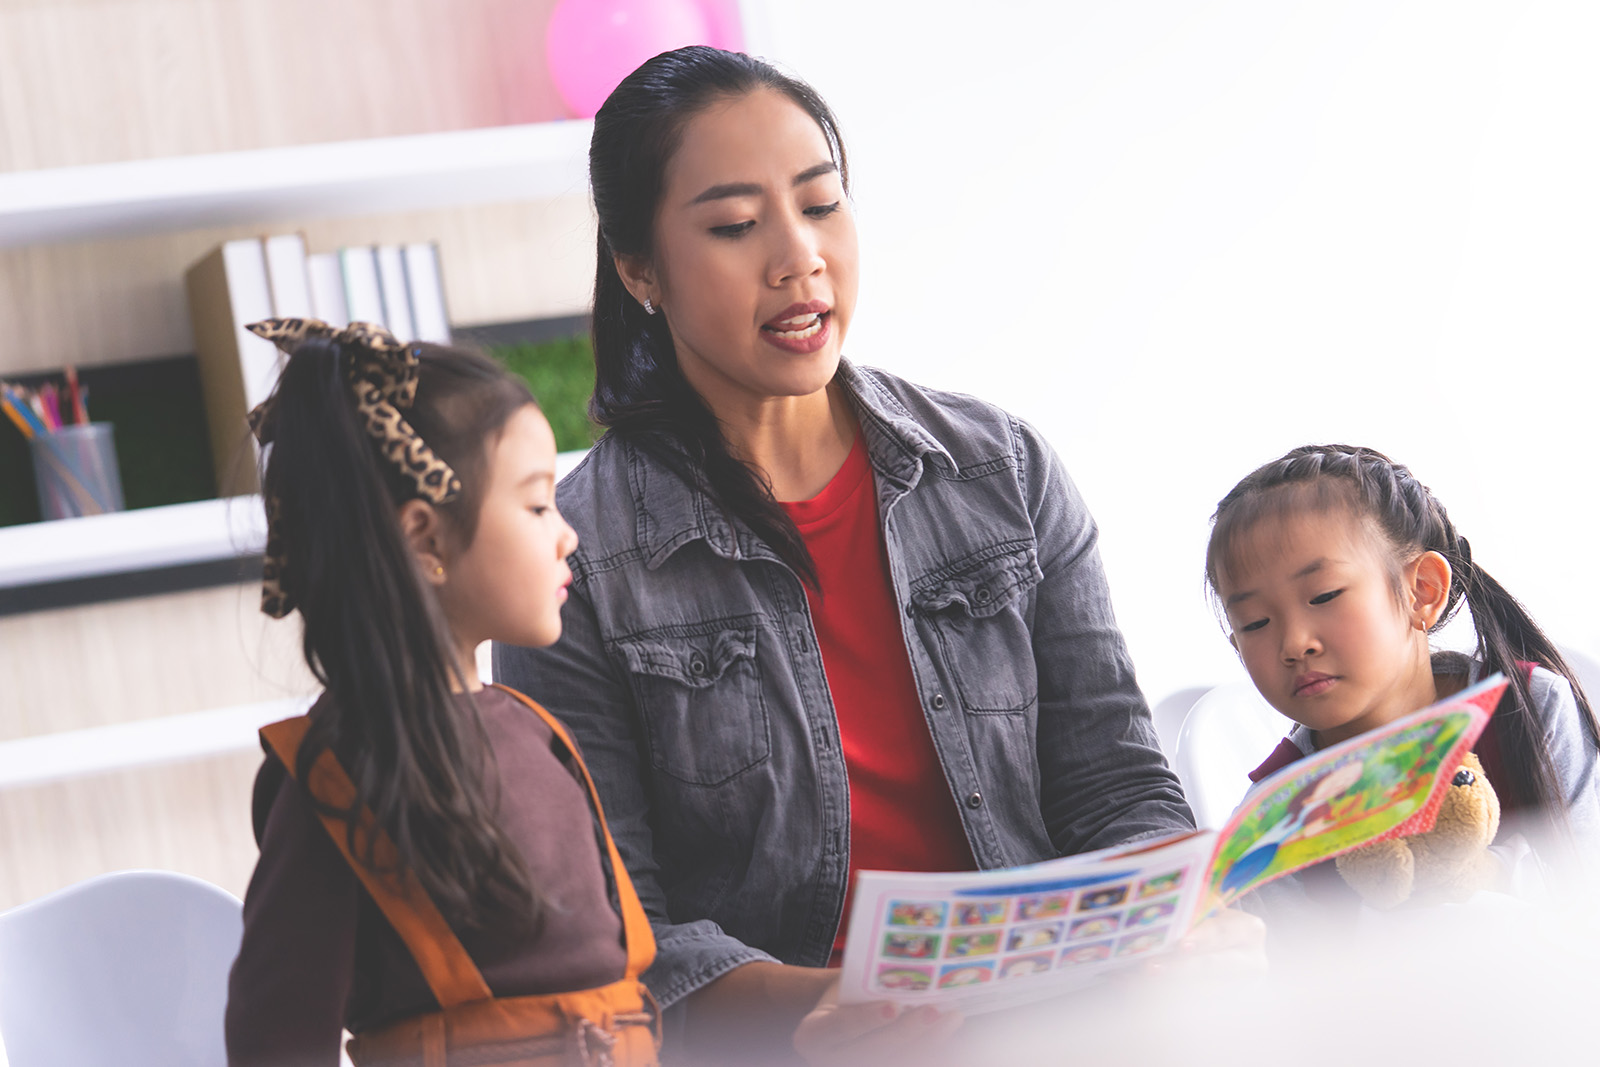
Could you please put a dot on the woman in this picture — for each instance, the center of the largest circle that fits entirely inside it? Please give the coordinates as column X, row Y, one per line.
column 821, row 619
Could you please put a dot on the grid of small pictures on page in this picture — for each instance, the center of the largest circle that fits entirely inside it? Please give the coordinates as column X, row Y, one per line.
column 957, row 943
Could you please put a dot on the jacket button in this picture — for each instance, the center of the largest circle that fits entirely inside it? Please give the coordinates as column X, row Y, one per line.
column 697, row 666
column 975, row 799
column 938, row 702
column 982, row 596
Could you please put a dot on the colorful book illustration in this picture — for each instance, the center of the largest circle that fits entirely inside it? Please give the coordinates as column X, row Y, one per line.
column 990, row 939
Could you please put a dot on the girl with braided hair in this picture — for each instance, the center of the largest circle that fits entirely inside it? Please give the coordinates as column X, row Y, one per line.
column 1332, row 566
column 435, row 873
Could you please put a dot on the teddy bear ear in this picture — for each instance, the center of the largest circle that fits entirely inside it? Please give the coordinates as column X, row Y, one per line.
column 1464, row 777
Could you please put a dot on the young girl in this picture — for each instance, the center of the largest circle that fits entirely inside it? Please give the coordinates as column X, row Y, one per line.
column 1333, row 565
column 434, row 868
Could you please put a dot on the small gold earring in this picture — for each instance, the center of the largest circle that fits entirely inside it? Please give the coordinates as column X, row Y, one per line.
column 438, row 570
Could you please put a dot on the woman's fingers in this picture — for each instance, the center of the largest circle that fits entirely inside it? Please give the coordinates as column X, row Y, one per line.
column 832, row 1025
column 1228, row 929
column 835, row 1033
column 1230, row 942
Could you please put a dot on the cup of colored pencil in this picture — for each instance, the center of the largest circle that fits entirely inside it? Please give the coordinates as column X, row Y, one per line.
column 74, row 460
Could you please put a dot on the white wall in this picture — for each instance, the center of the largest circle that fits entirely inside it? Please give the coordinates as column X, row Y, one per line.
column 1182, row 237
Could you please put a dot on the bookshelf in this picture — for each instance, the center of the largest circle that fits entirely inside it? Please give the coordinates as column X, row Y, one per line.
column 533, row 161
column 174, row 535
column 256, row 187
column 127, row 734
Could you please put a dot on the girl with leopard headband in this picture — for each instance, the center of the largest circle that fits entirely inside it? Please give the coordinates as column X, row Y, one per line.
column 435, row 875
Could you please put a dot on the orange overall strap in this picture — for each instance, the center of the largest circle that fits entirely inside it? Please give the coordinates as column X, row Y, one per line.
column 444, row 963
column 640, row 941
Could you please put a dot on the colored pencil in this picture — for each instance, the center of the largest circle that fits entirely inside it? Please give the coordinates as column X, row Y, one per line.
column 20, row 405
column 75, row 396
column 52, row 405
column 14, row 415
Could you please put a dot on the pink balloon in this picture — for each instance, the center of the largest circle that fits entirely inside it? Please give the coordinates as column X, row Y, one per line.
column 592, row 45
column 722, row 19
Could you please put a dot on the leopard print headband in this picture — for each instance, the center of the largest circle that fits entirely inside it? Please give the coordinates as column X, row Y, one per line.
column 382, row 375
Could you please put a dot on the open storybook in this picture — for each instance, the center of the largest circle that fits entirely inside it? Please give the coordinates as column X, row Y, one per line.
column 987, row 939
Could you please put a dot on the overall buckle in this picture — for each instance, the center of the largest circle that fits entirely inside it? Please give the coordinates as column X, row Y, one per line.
column 594, row 1044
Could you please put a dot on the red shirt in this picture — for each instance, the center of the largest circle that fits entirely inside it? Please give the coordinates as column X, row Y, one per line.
column 903, row 816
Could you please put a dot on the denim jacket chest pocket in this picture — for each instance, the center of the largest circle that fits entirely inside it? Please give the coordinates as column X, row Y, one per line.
column 699, row 694
column 975, row 609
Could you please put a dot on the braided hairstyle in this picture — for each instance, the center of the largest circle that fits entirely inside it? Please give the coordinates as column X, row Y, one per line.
column 1412, row 521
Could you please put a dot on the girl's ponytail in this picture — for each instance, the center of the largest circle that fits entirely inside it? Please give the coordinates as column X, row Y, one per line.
column 1507, row 638
column 373, row 635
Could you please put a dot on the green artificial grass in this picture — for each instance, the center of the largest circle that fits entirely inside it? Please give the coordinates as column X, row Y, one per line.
column 561, row 375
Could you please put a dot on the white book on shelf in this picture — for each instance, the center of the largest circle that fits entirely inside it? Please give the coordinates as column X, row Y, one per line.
column 363, row 296
column 286, row 274
column 327, row 288
column 250, row 293
column 396, row 301
column 228, row 289
column 426, row 288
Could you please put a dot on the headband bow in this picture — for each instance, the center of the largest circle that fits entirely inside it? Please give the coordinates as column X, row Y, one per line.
column 382, row 376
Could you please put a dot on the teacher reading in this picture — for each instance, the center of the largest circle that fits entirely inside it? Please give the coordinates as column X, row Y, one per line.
column 821, row 618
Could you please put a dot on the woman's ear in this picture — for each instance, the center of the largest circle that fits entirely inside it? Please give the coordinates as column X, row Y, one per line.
column 422, row 527
column 639, row 277
column 1428, row 588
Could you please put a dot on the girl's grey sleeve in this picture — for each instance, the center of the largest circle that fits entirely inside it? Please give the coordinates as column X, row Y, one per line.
column 1572, row 750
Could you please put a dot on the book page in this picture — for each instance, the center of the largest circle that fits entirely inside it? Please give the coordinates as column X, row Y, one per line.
column 1382, row 784
column 987, row 939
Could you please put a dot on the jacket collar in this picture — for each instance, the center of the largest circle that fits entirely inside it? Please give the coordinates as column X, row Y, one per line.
column 672, row 513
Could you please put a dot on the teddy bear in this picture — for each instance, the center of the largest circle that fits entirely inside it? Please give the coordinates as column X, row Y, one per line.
column 1447, row 864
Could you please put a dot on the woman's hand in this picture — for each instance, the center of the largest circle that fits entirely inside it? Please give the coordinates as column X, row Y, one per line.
column 837, row 1034
column 1231, row 942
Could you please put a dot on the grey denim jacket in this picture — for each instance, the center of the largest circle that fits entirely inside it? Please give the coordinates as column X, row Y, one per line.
column 689, row 672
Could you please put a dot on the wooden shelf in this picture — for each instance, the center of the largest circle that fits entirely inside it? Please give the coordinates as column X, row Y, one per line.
column 386, row 174
column 122, row 746
column 147, row 539
column 66, row 549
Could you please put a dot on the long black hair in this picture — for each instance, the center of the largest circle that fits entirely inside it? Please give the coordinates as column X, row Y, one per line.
column 376, row 638
column 640, row 393
column 1413, row 521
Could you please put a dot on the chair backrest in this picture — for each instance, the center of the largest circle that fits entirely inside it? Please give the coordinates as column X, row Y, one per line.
column 1168, row 715
column 128, row 968
column 1227, row 734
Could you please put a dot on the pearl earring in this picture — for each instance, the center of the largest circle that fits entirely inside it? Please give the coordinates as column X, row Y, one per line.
column 648, row 310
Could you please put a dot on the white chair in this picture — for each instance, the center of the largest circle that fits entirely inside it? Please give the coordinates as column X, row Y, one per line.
column 1227, row 734
column 1168, row 715
column 128, row 968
